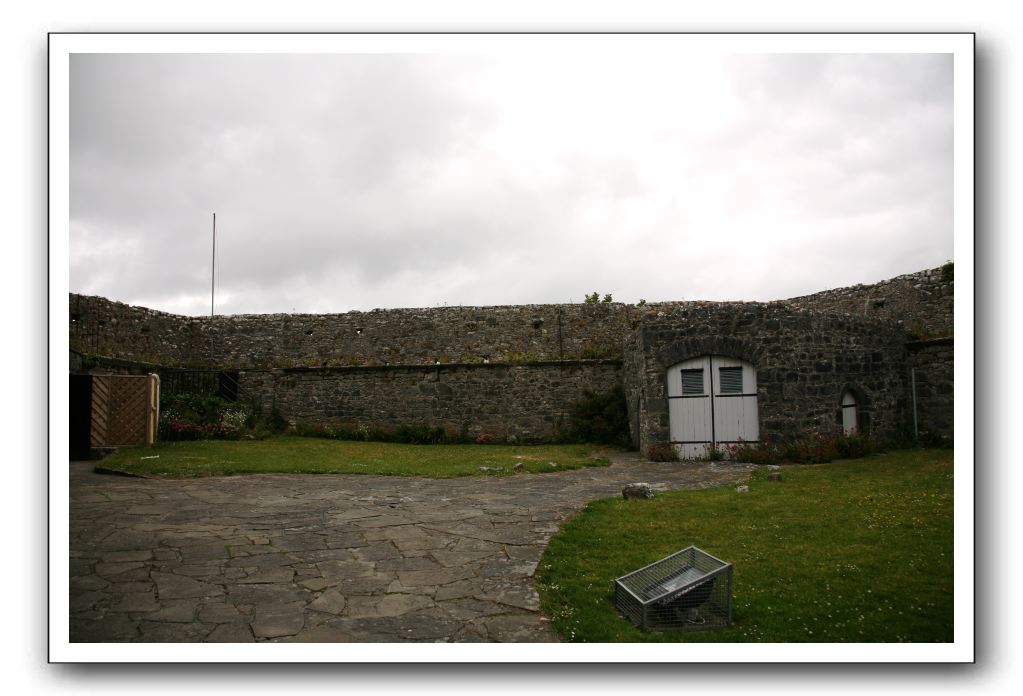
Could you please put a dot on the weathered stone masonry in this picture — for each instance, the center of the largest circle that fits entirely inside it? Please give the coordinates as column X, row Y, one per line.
column 804, row 363
column 517, row 370
column 522, row 333
column 932, row 363
column 921, row 302
column 517, row 402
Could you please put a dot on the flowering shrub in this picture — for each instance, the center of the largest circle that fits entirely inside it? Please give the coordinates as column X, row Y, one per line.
column 200, row 417
column 176, row 429
column 854, row 446
column 420, row 434
column 662, row 452
column 237, row 417
column 751, row 454
column 220, row 431
column 815, row 449
column 183, row 430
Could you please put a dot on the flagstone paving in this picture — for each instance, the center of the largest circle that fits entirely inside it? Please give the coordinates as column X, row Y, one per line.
column 329, row 558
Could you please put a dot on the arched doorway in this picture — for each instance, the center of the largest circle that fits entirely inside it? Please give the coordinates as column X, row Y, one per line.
column 712, row 402
column 850, row 414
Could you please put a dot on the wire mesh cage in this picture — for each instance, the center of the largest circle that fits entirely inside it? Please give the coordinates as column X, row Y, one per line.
column 689, row 590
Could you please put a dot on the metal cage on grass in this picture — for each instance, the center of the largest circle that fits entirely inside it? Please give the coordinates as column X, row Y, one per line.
column 689, row 590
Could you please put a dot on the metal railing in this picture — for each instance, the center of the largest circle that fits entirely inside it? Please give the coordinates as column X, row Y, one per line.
column 220, row 383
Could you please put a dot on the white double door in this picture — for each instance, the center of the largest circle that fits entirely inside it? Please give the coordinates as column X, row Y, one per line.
column 712, row 402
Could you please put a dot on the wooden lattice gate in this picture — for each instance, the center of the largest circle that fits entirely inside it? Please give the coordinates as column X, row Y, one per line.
column 125, row 410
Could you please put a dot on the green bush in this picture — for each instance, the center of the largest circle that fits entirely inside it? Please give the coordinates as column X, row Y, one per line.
column 931, row 439
column 854, row 446
column 420, row 435
column 411, row 434
column 172, row 429
column 200, row 417
column 203, row 409
column 600, row 418
column 815, row 449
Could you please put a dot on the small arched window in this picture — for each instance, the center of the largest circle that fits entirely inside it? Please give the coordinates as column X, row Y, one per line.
column 850, row 415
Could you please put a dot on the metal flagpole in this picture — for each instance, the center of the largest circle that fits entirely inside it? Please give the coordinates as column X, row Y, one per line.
column 213, row 266
column 213, row 271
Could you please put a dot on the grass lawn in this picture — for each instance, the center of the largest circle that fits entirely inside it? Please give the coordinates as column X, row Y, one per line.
column 303, row 455
column 852, row 551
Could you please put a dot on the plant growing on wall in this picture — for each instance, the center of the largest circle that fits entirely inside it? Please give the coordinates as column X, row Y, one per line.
column 593, row 351
column 519, row 358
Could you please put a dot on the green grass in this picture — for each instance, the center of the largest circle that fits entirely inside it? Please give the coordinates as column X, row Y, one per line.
column 300, row 455
column 852, row 551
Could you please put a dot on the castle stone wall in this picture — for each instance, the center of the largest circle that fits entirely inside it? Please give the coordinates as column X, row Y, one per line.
column 922, row 302
column 933, row 364
column 99, row 326
column 516, row 333
column 804, row 363
column 515, row 370
column 525, row 403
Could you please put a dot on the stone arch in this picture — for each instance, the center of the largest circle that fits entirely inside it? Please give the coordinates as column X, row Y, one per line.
column 687, row 348
column 863, row 406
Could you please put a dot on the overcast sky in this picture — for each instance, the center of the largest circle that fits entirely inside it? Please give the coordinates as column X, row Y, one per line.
column 359, row 181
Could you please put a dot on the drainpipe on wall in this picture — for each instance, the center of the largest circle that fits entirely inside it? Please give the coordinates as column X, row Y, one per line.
column 639, row 404
column 912, row 378
column 561, row 347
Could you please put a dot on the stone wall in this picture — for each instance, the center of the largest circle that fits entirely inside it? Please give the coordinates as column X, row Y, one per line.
column 933, row 365
column 519, row 402
column 99, row 326
column 515, row 370
column 518, row 333
column 804, row 363
column 922, row 302
column 522, row 333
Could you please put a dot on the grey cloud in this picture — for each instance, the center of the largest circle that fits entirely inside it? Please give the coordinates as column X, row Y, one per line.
column 358, row 181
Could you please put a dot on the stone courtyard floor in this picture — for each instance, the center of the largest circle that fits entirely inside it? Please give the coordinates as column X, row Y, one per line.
column 329, row 558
